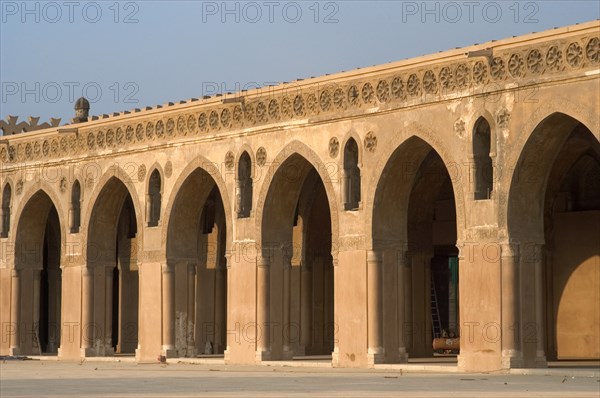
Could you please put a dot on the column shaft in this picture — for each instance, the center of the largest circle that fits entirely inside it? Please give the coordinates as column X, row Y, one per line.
column 375, row 306
column 87, row 309
column 263, row 344
column 540, row 355
column 511, row 347
column 287, row 268
column 15, row 311
column 191, row 310
column 168, row 310
column 402, row 274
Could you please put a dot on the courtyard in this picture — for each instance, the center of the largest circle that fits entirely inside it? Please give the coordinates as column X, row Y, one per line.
column 34, row 378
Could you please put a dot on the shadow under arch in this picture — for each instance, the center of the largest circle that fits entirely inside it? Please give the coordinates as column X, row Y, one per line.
column 415, row 225
column 110, row 279
column 36, row 306
column 553, row 226
column 301, row 153
column 296, row 241
column 423, row 142
column 208, row 173
column 197, row 235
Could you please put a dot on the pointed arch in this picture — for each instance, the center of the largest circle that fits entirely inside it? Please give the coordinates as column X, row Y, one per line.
column 301, row 150
column 483, row 171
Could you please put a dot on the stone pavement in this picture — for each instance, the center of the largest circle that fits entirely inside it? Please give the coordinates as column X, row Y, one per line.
column 36, row 378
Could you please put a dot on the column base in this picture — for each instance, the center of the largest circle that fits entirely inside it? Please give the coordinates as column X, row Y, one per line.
column 335, row 357
column 227, row 355
column 540, row 360
column 288, row 354
column 375, row 357
column 168, row 352
column 88, row 352
column 14, row 351
column 191, row 352
column 402, row 355
column 263, row 356
column 512, row 360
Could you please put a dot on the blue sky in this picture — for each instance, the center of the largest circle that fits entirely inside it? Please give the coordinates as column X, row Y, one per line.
column 130, row 54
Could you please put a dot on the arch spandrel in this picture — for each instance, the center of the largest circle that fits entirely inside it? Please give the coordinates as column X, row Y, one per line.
column 302, row 150
column 212, row 170
column 454, row 166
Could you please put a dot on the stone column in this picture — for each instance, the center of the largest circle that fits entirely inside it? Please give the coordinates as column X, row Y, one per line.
column 540, row 355
column 401, row 291
column 168, row 311
column 191, row 310
column 227, row 266
column 220, row 306
column 306, row 307
column 54, row 292
column 409, row 324
column 108, row 310
column 15, row 312
column 288, row 353
column 335, row 355
column 263, row 344
column 374, row 307
column 35, row 319
column 511, row 345
column 87, row 311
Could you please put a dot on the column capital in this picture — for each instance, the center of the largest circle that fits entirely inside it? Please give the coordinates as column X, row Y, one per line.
column 167, row 268
column 191, row 267
column 510, row 249
column 263, row 262
column 374, row 256
column 15, row 272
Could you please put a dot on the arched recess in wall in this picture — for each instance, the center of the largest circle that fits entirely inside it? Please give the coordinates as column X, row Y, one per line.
column 154, row 199
column 554, row 217
column 414, row 228
column 244, row 186
column 351, row 179
column 75, row 208
column 5, row 209
column 37, row 282
column 483, row 170
column 295, row 287
column 195, row 248
column 112, row 257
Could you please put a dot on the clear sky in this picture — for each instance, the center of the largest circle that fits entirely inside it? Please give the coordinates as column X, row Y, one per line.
column 132, row 54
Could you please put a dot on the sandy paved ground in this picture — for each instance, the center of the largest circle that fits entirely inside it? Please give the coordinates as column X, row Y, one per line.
column 61, row 379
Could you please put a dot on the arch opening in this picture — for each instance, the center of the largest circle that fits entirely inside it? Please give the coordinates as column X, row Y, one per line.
column 297, row 241
column 196, row 243
column 351, row 181
column 5, row 211
column 39, row 277
column 244, row 186
column 112, row 256
column 483, row 170
column 554, row 214
column 154, row 199
column 414, row 226
column 75, row 210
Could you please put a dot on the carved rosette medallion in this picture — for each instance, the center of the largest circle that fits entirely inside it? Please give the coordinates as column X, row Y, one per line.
column 141, row 172
column 261, row 156
column 229, row 160
column 459, row 128
column 371, row 142
column 334, row 147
